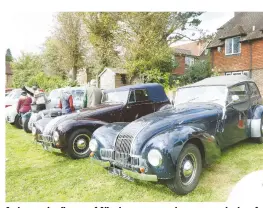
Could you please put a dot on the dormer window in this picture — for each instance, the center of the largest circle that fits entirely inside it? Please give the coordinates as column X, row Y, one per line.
column 232, row 46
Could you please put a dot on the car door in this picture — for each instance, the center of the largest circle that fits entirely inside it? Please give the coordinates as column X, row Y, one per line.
column 235, row 121
column 138, row 105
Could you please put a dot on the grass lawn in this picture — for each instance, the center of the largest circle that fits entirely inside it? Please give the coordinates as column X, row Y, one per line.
column 35, row 175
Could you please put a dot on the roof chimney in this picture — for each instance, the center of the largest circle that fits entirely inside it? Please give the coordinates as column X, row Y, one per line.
column 253, row 28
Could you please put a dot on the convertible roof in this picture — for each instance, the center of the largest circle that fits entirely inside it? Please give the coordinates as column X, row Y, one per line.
column 221, row 80
column 155, row 91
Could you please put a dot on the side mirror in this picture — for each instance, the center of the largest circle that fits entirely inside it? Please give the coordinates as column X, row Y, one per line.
column 235, row 98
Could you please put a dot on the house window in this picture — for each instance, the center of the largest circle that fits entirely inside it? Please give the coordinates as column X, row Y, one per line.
column 189, row 61
column 238, row 73
column 232, row 46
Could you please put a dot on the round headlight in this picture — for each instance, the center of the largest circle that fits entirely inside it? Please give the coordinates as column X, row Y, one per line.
column 155, row 157
column 93, row 145
column 56, row 136
column 34, row 130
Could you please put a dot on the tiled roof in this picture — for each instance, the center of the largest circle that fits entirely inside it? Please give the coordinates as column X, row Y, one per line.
column 8, row 69
column 195, row 48
column 242, row 24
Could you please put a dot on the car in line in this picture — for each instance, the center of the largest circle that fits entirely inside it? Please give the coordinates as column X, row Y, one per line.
column 71, row 133
column 174, row 145
column 52, row 107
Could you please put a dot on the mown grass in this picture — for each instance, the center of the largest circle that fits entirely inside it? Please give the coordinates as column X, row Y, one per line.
column 34, row 175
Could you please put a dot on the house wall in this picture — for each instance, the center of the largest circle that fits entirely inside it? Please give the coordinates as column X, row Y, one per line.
column 257, row 76
column 107, row 80
column 240, row 62
column 181, row 67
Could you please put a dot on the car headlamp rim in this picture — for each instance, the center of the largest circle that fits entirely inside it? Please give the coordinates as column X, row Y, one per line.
column 155, row 157
column 93, row 145
column 55, row 136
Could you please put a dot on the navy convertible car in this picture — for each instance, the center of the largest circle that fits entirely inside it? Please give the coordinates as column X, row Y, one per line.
column 174, row 144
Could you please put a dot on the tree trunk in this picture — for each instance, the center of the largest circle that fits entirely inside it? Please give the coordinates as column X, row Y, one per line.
column 88, row 74
column 74, row 74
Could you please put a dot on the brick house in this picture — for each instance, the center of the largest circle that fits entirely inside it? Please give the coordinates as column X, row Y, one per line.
column 187, row 54
column 238, row 47
column 8, row 75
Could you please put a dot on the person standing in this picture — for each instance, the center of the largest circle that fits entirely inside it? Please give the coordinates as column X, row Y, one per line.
column 24, row 103
column 66, row 101
column 40, row 98
column 92, row 95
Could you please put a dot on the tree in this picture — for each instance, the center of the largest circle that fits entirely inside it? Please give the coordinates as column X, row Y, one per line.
column 25, row 67
column 69, row 35
column 8, row 56
column 146, row 37
column 101, row 30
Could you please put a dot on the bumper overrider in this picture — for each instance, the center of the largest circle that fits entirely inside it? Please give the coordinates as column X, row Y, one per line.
column 115, row 168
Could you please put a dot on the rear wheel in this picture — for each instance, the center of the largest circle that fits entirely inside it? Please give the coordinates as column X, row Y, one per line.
column 188, row 170
column 18, row 121
column 260, row 139
column 78, row 144
column 26, row 128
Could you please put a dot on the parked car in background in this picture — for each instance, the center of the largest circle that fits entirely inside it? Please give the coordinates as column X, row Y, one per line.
column 52, row 107
column 12, row 97
column 71, row 133
column 174, row 144
column 7, row 91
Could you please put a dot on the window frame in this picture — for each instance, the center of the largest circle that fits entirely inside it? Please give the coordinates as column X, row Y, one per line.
column 232, row 46
column 247, row 90
column 135, row 98
column 251, row 92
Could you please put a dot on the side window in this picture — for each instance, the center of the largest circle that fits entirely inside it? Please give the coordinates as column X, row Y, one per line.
column 240, row 90
column 132, row 97
column 253, row 89
column 141, row 95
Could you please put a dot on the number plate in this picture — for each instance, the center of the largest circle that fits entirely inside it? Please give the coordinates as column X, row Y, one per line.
column 118, row 172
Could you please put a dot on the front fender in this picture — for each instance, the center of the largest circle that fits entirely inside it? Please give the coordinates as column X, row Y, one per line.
column 66, row 128
column 171, row 142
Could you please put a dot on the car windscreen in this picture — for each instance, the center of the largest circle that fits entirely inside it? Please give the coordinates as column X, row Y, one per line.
column 78, row 94
column 115, row 97
column 216, row 94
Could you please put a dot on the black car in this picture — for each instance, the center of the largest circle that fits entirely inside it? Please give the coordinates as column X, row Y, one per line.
column 174, row 144
column 71, row 133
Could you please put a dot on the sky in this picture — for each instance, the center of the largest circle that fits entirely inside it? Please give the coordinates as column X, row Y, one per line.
column 27, row 31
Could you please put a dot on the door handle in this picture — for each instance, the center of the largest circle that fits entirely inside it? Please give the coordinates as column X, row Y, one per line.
column 128, row 107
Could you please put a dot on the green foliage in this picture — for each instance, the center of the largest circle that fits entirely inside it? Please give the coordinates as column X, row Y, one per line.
column 27, row 66
column 48, row 83
column 198, row 71
column 8, row 56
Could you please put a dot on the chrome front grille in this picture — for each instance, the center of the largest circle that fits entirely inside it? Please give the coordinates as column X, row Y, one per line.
column 46, row 139
column 106, row 154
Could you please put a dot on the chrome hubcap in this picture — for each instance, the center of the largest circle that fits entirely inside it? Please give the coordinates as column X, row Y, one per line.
column 188, row 169
column 81, row 144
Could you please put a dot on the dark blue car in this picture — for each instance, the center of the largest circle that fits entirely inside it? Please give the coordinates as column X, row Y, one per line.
column 174, row 144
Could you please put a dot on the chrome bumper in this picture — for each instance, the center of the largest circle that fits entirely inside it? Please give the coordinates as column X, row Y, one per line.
column 132, row 174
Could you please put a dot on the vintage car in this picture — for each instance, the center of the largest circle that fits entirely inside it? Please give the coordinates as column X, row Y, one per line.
column 174, row 144
column 71, row 133
column 52, row 107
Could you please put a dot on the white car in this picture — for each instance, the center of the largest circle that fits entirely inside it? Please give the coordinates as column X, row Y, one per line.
column 12, row 97
column 11, row 115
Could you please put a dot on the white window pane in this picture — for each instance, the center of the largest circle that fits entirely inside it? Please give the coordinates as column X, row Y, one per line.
column 228, row 45
column 236, row 45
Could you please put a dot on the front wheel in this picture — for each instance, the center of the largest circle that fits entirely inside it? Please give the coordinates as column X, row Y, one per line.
column 188, row 170
column 78, row 144
column 26, row 127
column 18, row 121
column 260, row 139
